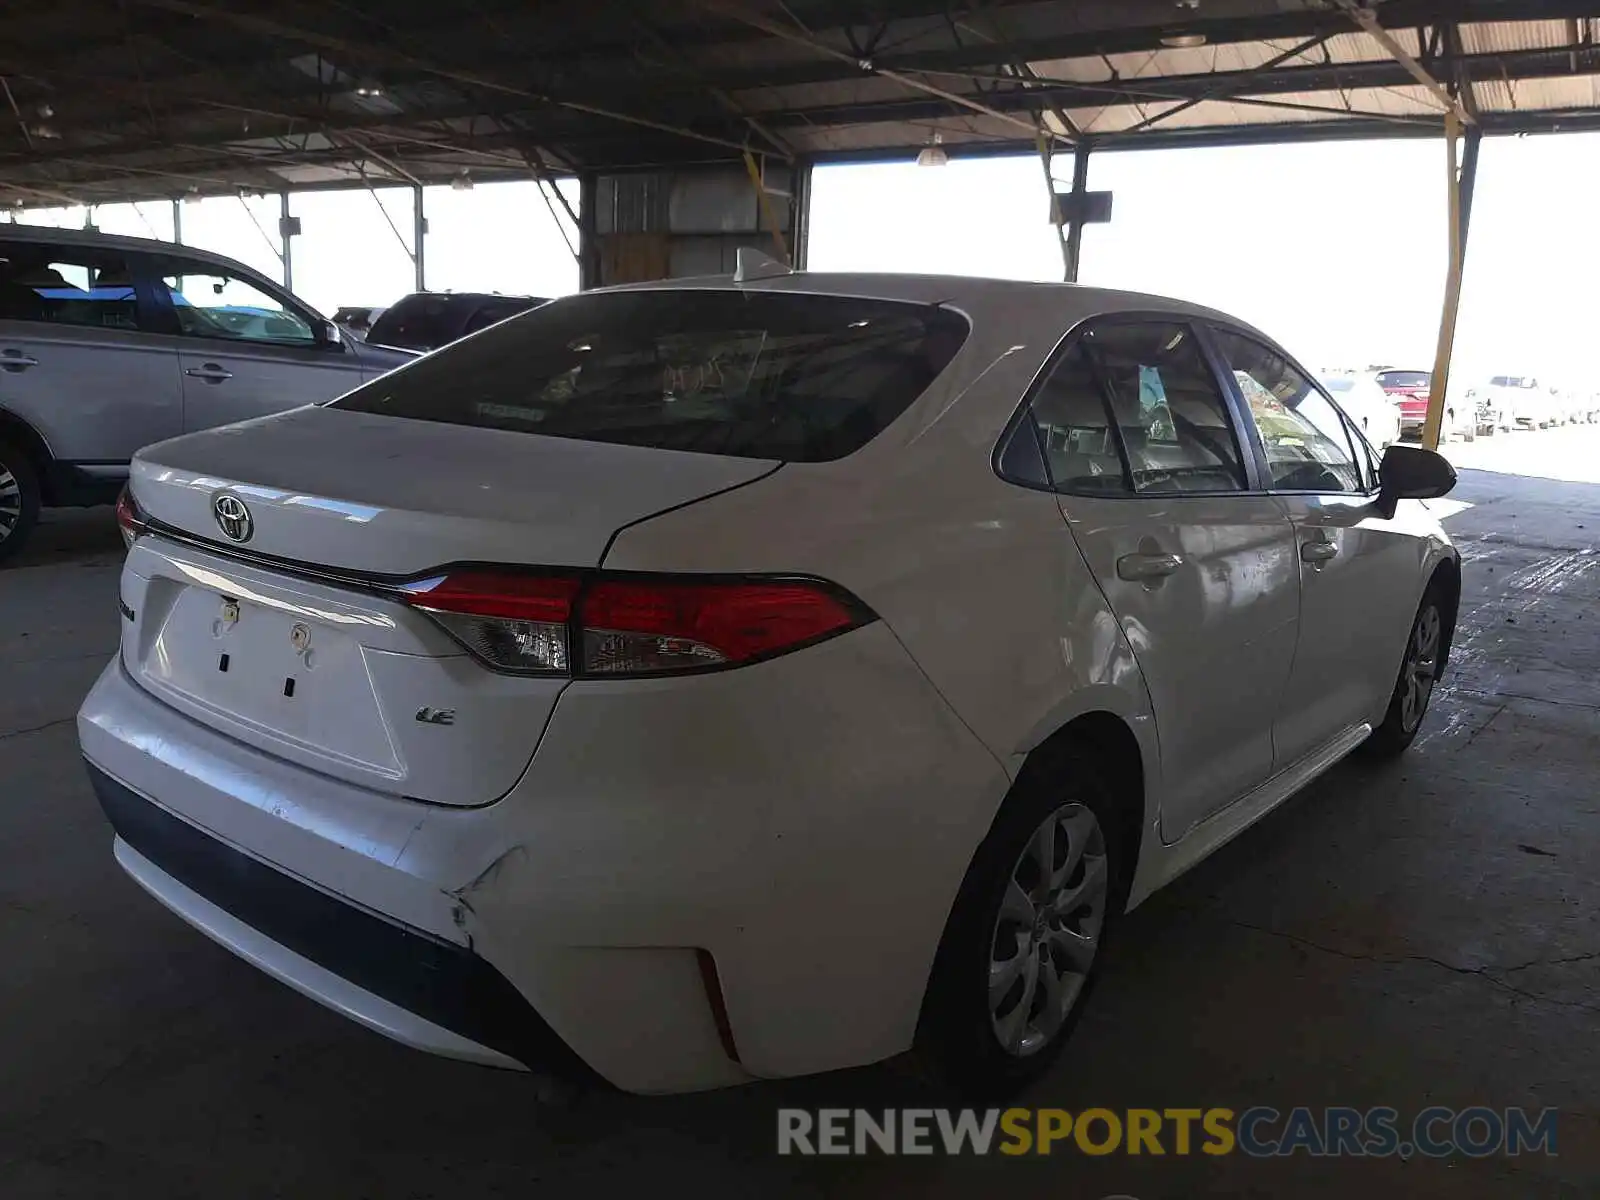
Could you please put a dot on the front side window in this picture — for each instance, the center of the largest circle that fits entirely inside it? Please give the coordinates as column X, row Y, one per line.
column 62, row 285
column 1308, row 446
column 1170, row 419
column 800, row 378
column 210, row 303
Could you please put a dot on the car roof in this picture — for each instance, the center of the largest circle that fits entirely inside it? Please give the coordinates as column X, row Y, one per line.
column 466, row 298
column 1073, row 302
column 114, row 241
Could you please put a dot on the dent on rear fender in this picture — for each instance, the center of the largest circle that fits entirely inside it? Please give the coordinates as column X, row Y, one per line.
column 462, row 898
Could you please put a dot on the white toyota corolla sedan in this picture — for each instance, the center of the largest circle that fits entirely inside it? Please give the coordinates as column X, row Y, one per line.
column 699, row 682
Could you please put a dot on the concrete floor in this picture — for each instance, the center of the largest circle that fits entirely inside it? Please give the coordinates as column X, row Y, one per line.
column 1422, row 933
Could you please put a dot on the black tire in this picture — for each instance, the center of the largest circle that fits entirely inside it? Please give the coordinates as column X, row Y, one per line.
column 958, row 1044
column 19, row 499
column 1402, row 721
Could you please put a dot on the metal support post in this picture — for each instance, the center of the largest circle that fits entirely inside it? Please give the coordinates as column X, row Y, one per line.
column 419, row 236
column 1057, row 220
column 766, row 210
column 588, row 235
column 1462, row 168
column 1080, row 185
column 287, row 240
column 800, row 211
column 177, row 222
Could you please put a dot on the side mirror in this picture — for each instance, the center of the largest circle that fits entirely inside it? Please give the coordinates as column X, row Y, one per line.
column 330, row 335
column 1412, row 473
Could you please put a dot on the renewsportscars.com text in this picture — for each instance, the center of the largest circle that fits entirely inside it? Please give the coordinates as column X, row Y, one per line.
column 1258, row 1132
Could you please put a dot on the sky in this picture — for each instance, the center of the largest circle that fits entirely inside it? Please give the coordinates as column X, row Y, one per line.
column 1337, row 250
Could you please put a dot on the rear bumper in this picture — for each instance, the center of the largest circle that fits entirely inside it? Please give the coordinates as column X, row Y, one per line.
column 804, row 822
column 418, row 989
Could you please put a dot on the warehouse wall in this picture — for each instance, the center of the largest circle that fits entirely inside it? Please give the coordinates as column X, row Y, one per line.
column 674, row 224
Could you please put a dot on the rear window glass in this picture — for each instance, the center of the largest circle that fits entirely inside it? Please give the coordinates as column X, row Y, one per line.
column 496, row 311
column 418, row 323
column 1404, row 379
column 800, row 378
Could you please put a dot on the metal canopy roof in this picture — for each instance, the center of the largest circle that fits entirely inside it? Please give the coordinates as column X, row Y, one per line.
column 121, row 99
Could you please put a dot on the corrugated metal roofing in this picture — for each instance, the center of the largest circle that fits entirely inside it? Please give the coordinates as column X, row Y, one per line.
column 251, row 94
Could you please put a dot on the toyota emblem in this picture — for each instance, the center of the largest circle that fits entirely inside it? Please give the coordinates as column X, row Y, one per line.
column 233, row 518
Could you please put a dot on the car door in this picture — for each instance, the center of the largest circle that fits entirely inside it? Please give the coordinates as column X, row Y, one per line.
column 78, row 362
column 1143, row 448
column 245, row 348
column 1359, row 571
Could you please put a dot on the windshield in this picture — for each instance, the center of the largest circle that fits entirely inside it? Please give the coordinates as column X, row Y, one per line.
column 1512, row 381
column 801, row 378
column 1403, row 379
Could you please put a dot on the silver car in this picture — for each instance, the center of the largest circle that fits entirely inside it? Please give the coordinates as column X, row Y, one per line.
column 108, row 344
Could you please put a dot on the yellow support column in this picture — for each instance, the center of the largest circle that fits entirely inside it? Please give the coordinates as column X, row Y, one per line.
column 1440, row 381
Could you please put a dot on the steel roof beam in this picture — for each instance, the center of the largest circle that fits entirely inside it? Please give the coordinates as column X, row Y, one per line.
column 1280, row 26
column 1224, row 86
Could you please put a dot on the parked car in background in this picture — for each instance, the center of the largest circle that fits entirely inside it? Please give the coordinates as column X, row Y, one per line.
column 1365, row 402
column 1575, row 405
column 1410, row 390
column 110, row 343
column 356, row 319
column 425, row 321
column 1519, row 402
column 695, row 685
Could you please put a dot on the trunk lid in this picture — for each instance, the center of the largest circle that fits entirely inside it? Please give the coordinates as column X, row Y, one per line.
column 358, row 492
column 334, row 673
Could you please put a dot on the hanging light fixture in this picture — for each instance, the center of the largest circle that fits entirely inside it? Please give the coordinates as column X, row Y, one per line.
column 462, row 182
column 933, row 154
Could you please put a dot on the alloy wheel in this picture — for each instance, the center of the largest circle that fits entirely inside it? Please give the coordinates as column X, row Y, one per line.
column 1048, row 929
column 1421, row 667
column 10, row 502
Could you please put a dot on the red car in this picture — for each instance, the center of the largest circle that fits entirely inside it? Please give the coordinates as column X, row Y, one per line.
column 1410, row 388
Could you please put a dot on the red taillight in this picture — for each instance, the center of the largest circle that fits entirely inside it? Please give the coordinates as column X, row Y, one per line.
column 637, row 627
column 131, row 518
column 628, row 626
column 488, row 593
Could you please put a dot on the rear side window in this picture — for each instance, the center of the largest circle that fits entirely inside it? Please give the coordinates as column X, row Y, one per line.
column 801, row 378
column 1075, row 430
column 67, row 285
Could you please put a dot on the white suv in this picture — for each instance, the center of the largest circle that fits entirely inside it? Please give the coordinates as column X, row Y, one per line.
column 110, row 343
column 700, row 682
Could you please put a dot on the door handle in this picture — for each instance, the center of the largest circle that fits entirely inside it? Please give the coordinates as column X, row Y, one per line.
column 16, row 360
column 210, row 372
column 1319, row 550
column 1141, row 568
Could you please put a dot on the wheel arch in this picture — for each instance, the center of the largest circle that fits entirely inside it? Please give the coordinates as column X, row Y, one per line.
column 31, row 442
column 1109, row 739
column 1446, row 577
